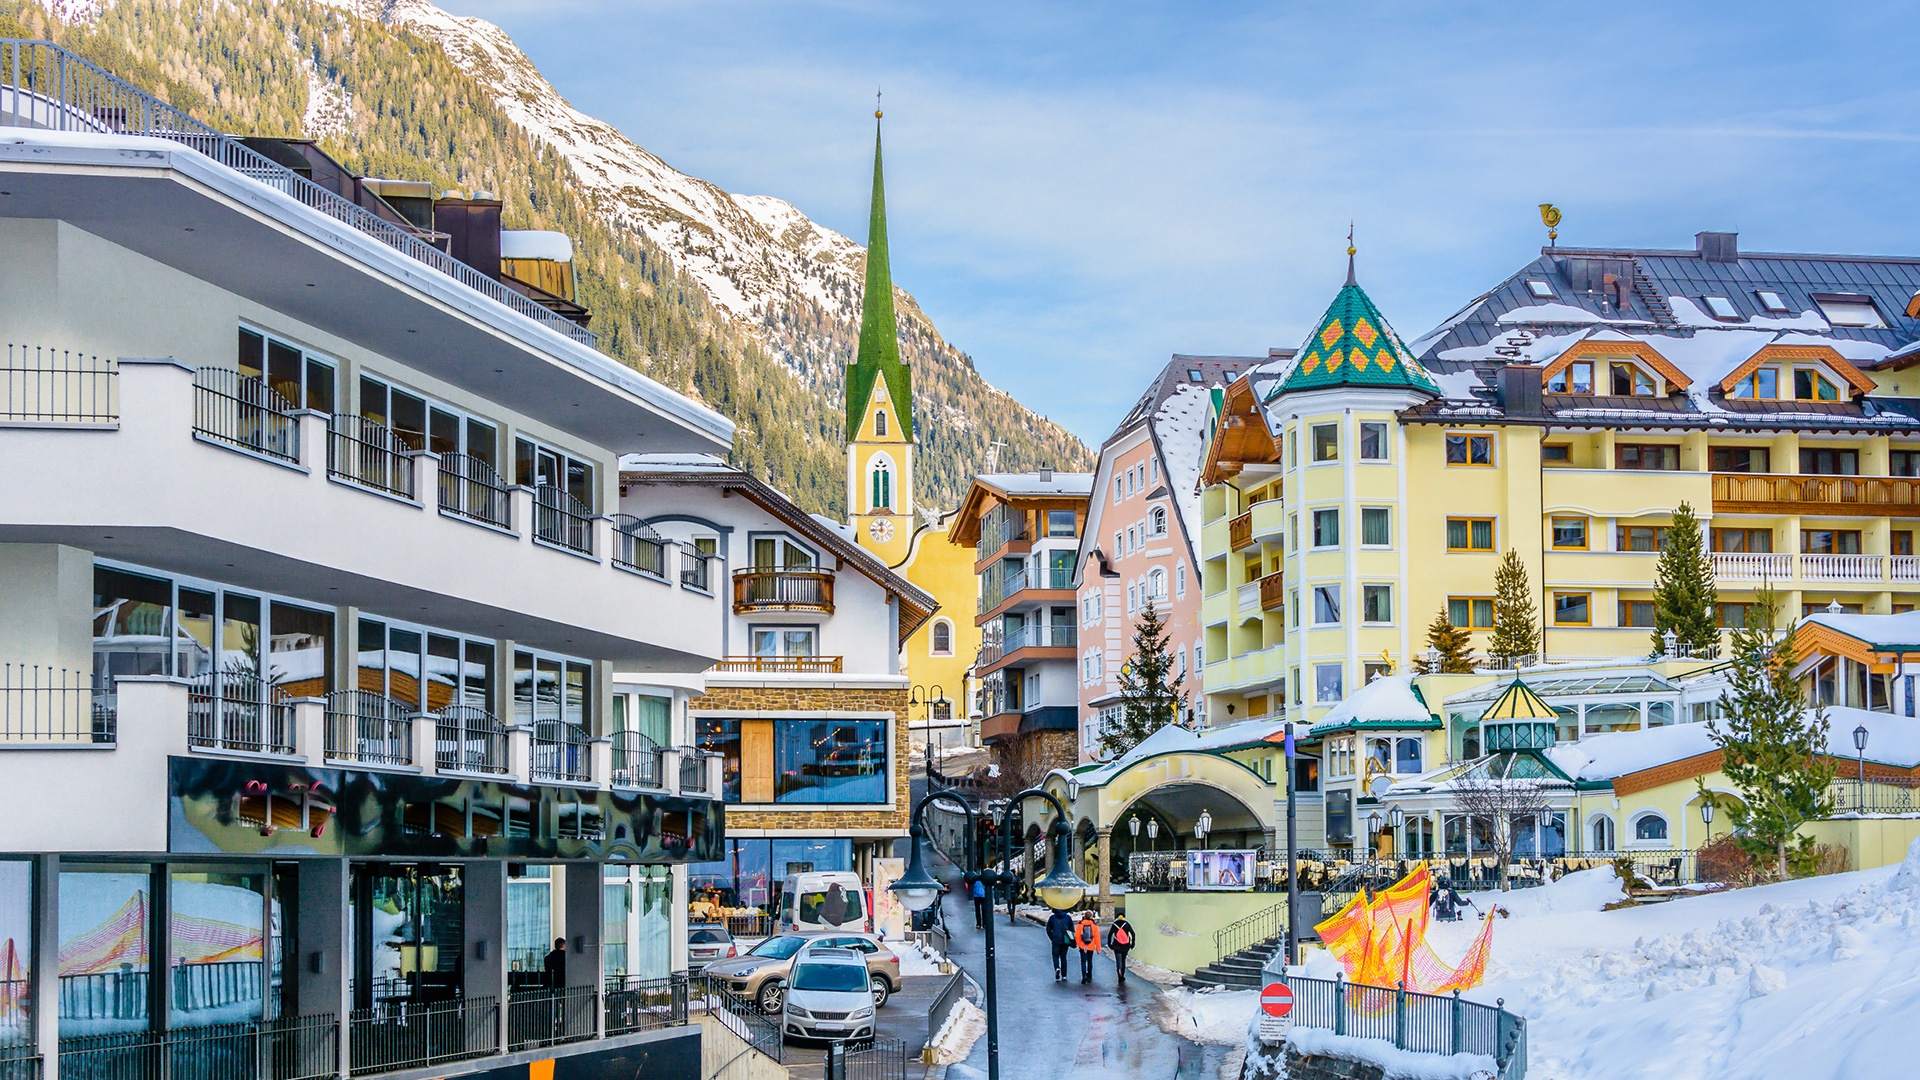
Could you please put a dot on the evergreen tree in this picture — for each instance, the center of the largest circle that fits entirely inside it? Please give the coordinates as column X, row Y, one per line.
column 1684, row 597
column 1514, row 633
column 1454, row 646
column 1772, row 747
column 1149, row 688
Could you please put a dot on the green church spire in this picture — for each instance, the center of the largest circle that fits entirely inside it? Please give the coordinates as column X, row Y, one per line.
column 879, row 356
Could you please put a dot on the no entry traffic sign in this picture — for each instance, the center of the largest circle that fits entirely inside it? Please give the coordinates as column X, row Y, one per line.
column 1276, row 999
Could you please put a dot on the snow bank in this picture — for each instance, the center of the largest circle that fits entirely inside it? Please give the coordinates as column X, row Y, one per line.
column 1908, row 875
column 1219, row 1017
column 1396, row 1063
column 1587, row 890
column 917, row 959
column 955, row 1039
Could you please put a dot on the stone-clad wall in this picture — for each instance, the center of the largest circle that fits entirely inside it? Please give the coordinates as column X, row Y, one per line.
column 787, row 698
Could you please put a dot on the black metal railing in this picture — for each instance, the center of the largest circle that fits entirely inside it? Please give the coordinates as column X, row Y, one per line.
column 1256, row 929
column 696, row 570
column 53, row 705
column 293, row 1048
column 638, row 761
column 54, row 88
column 746, row 1019
column 242, row 411
column 41, row 385
column 369, row 728
column 562, row 520
column 215, row 985
column 878, row 1058
column 408, row 1035
column 20, row 1061
column 560, row 752
column 636, row 1004
column 470, row 488
column 369, row 453
column 548, row 1017
column 239, row 710
column 1423, row 1023
column 1875, row 795
column 693, row 771
column 468, row 738
column 638, row 548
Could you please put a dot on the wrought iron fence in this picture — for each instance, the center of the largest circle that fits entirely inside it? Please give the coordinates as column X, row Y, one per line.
column 369, row 728
column 637, row 547
column 549, row 1017
column 242, row 411
column 239, row 710
column 40, row 385
column 749, row 926
column 53, row 88
column 562, row 520
column 54, row 705
column 696, row 570
column 20, row 1061
column 470, row 488
column 1423, row 1023
column 293, row 1048
column 1875, row 795
column 408, row 1035
column 560, row 752
column 693, row 771
column 746, row 1019
column 468, row 738
column 1255, row 929
column 636, row 1004
column 878, row 1058
column 638, row 761
column 369, row 453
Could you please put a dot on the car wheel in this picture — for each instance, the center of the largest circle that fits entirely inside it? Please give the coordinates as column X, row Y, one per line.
column 773, row 996
column 881, row 991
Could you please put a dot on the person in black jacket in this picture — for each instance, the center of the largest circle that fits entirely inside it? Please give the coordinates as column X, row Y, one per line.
column 1120, row 940
column 556, row 964
column 1060, row 936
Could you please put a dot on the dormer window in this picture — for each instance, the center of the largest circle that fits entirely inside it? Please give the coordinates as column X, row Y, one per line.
column 1770, row 300
column 1629, row 381
column 1763, row 384
column 1722, row 308
column 1575, row 378
column 1857, row 311
column 1811, row 385
column 1193, row 375
column 1541, row 290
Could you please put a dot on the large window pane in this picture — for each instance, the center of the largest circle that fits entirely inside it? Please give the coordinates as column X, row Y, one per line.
column 442, row 672
column 830, row 761
column 216, row 931
column 477, row 678
column 194, row 640
column 300, row 653
column 616, row 905
column 410, row 933
column 373, row 657
column 240, row 633
column 652, row 717
column 529, row 921
column 403, row 666
column 16, row 951
column 132, row 632
column 106, row 923
column 722, row 736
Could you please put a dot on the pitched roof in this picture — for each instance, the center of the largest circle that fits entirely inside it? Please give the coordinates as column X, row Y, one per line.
column 1389, row 701
column 1518, row 703
column 1354, row 346
column 878, row 359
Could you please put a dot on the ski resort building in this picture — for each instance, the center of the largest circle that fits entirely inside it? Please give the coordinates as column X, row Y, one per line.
column 312, row 600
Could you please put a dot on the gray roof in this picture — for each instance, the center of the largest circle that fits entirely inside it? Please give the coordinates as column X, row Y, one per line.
column 1212, row 371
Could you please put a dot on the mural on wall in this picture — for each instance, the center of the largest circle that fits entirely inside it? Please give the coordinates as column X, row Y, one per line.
column 255, row 808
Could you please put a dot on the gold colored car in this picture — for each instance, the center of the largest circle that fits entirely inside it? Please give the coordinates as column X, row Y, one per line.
column 762, row 972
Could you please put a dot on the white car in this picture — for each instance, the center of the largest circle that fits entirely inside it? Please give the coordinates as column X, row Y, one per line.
column 828, row 996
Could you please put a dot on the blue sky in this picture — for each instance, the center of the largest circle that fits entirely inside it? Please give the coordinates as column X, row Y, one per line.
column 1076, row 191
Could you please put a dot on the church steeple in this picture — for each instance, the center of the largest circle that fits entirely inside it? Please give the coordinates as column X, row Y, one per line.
column 878, row 359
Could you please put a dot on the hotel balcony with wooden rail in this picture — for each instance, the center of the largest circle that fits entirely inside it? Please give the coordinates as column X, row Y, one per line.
column 1852, row 496
column 764, row 588
column 1263, row 522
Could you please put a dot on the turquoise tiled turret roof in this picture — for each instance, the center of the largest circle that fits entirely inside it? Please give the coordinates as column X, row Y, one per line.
column 1354, row 346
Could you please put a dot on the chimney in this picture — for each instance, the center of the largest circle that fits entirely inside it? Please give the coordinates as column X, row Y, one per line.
column 1520, row 390
column 473, row 230
column 1046, row 476
column 1721, row 247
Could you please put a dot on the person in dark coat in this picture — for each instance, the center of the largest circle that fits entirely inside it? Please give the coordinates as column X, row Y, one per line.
column 556, row 964
column 1087, row 936
column 1120, row 940
column 1060, row 936
column 980, row 905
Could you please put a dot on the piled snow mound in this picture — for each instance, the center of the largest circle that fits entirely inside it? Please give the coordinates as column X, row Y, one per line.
column 1396, row 1064
column 1220, row 1017
column 1908, row 876
column 1586, row 890
column 964, row 1026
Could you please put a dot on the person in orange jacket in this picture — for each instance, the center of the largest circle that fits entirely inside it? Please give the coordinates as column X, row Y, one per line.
column 1087, row 936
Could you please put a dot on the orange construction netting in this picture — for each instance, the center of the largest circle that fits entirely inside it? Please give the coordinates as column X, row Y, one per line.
column 1382, row 940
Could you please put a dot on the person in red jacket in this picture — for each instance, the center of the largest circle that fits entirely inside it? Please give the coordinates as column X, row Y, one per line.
column 1087, row 936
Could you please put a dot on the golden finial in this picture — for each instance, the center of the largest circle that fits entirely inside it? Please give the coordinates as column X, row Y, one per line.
column 1351, row 250
column 1550, row 217
column 876, row 103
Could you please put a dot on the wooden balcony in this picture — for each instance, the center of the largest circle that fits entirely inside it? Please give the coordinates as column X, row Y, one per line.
column 767, row 589
column 780, row 665
column 1240, row 532
column 1761, row 493
column 1273, row 592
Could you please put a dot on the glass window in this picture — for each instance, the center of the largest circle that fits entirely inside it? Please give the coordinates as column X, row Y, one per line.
column 1636, row 613
column 1902, row 541
column 721, row 735
column 217, row 933
column 1571, row 609
column 1733, row 616
column 1556, row 453
column 1326, row 442
column 1770, row 300
column 942, row 638
column 1470, row 612
column 1650, row 827
column 1646, row 456
column 1743, row 540
column 1570, row 533
column 1376, row 603
column 830, row 761
column 1540, row 290
column 1406, row 755
column 1721, row 308
column 1469, row 534
column 1060, row 523
column 1373, row 440
column 1640, row 537
column 1326, row 605
column 1851, row 311
column 1763, row 384
column 1830, row 541
column 16, row 939
column 105, row 946
column 132, row 625
column 1326, row 528
column 1376, row 526
column 1630, row 381
column 1811, row 385
column 1575, row 378
column 1903, row 463
column 1601, row 719
column 1327, row 683
column 1829, row 462
column 1744, row 459
column 1469, row 449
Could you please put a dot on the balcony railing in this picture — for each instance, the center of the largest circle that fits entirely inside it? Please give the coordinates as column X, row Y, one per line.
column 411, row 1035
column 696, row 570
column 1896, row 496
column 1874, row 794
column 636, row 1004
column 469, row 739
column 1906, row 568
column 1240, row 532
column 1058, row 636
column 368, row 728
column 1847, row 568
column 638, row 548
column 292, row 1048
column 40, row 385
column 469, row 488
column 1247, row 596
column 638, row 761
column 55, row 88
column 1273, row 592
column 240, row 410
column 53, row 705
column 546, row 1017
column 560, row 752
column 369, row 453
column 239, row 710
column 1752, row 566
column 781, row 665
column 562, row 520
column 767, row 589
column 693, row 771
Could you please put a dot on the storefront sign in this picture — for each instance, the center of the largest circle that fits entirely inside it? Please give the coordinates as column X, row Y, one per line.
column 1220, row 870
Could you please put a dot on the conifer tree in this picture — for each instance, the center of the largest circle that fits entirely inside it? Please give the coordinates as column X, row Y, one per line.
column 1453, row 644
column 1684, row 597
column 1149, row 689
column 1514, row 633
column 1773, row 749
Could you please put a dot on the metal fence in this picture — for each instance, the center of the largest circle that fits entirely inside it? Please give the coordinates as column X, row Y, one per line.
column 293, row 1048
column 242, row 411
column 1423, row 1023
column 950, row 996
column 408, row 1035
column 369, row 728
column 696, row 570
column 560, row 752
column 693, row 771
column 468, row 738
column 1875, row 795
column 745, row 1019
column 20, row 1061
column 470, row 488
column 1259, row 927
column 40, row 385
column 637, row 547
column 51, row 87
column 55, row 705
column 636, row 1004
column 549, row 1017
column 369, row 453
column 878, row 1058
column 638, row 761
column 239, row 710
column 562, row 520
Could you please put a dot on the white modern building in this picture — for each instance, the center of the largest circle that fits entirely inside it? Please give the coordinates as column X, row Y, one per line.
column 311, row 600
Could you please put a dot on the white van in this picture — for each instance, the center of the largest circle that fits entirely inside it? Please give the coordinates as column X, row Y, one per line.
column 824, row 900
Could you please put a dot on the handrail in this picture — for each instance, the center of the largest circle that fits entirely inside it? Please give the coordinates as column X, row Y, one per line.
column 241, row 710
column 560, row 752
column 1257, row 928
column 470, row 488
column 371, row 453
column 761, row 587
column 1901, row 494
column 57, row 386
column 56, row 705
column 242, row 411
column 638, row 761
column 1240, row 532
column 638, row 547
column 369, row 728
column 792, row 665
column 468, row 738
column 561, row 519
column 1410, row 1020
column 91, row 99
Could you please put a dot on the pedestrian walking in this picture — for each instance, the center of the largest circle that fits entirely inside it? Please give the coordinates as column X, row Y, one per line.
column 1120, row 940
column 555, row 965
column 980, row 905
column 1087, row 936
column 1060, row 935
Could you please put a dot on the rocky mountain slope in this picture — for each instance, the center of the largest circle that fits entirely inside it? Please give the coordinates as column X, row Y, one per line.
column 740, row 300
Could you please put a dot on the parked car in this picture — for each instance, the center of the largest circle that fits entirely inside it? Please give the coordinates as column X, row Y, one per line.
column 762, row 972
column 824, row 900
column 707, row 942
column 828, row 997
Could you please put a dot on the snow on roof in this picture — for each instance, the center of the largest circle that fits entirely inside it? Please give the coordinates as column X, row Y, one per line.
column 535, row 244
column 674, row 463
column 1173, row 738
column 1550, row 313
column 1388, row 698
column 1029, row 483
column 1459, row 385
column 1891, row 740
column 1180, row 424
column 1888, row 631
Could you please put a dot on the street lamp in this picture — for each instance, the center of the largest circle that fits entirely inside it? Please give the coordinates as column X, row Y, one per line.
column 934, row 694
column 1395, row 816
column 1153, row 834
column 1706, row 812
column 1860, row 778
column 1203, row 825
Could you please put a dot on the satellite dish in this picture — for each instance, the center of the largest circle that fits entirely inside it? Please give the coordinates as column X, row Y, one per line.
column 1378, row 786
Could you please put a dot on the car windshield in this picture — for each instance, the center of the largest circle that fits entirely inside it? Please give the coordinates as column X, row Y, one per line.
column 829, row 977
column 834, row 907
column 706, row 937
column 777, row 948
